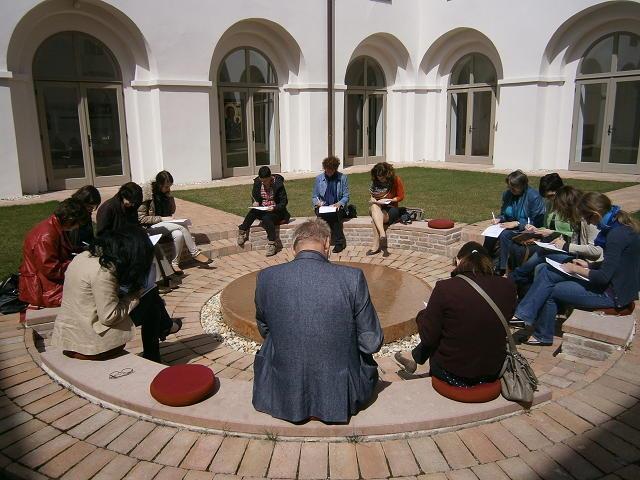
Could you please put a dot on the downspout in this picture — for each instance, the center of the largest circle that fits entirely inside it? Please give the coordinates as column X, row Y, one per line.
column 330, row 92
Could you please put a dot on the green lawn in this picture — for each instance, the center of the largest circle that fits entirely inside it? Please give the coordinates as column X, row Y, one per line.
column 463, row 196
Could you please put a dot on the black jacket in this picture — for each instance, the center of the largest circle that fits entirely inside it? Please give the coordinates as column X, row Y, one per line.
column 112, row 216
column 279, row 195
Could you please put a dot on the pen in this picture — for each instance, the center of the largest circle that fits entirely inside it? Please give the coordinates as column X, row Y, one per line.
column 494, row 217
column 528, row 221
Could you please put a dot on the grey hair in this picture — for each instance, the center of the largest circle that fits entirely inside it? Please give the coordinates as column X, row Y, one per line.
column 315, row 230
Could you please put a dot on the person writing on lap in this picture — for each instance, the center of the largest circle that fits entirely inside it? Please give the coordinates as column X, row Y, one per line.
column 331, row 189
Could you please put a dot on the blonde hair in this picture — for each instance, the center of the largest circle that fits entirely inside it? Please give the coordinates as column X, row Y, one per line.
column 316, row 230
column 598, row 203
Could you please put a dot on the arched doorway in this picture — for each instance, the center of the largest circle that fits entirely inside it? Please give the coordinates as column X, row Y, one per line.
column 471, row 110
column 606, row 115
column 365, row 112
column 80, row 107
column 248, row 100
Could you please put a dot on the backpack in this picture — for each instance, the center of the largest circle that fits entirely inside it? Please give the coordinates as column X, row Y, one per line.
column 9, row 302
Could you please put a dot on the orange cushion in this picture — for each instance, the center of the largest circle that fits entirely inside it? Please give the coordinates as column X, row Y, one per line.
column 626, row 310
column 483, row 392
column 182, row 385
column 440, row 223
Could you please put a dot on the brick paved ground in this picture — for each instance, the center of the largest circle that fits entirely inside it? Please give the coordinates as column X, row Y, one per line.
column 590, row 430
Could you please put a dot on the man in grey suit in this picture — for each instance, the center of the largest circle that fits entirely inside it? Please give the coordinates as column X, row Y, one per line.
column 320, row 330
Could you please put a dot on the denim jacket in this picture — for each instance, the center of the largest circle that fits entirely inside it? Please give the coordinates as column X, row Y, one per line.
column 320, row 187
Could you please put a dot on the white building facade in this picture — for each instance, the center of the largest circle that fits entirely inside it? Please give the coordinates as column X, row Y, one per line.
column 104, row 92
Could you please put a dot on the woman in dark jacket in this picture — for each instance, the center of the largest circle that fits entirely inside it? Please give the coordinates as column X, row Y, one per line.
column 612, row 283
column 89, row 196
column 46, row 254
column 121, row 210
column 460, row 334
column 270, row 196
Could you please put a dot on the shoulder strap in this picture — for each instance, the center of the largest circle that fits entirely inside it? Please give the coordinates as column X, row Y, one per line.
column 493, row 305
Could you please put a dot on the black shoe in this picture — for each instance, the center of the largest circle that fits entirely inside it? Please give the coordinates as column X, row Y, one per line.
column 338, row 248
column 406, row 362
column 516, row 322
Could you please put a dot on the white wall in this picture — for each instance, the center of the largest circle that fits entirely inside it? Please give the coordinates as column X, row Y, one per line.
column 170, row 52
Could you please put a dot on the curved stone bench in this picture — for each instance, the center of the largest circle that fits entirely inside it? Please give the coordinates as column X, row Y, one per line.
column 400, row 407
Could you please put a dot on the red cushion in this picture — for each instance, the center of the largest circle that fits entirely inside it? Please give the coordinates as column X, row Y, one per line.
column 484, row 392
column 440, row 223
column 182, row 385
column 619, row 312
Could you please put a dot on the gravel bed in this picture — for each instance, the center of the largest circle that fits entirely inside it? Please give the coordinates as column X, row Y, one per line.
column 213, row 324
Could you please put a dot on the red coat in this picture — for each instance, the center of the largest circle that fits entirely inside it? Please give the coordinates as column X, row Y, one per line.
column 46, row 253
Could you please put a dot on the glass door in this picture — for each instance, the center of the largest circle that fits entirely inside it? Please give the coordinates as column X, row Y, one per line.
column 106, row 145
column 374, row 130
column 607, row 125
column 471, row 119
column 365, row 128
column 63, row 138
column 249, row 131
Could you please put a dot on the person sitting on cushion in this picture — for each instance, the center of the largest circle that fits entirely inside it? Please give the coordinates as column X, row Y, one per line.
column 460, row 334
column 612, row 283
column 579, row 245
column 46, row 254
column 331, row 189
column 268, row 192
column 107, row 291
column 319, row 337
column 387, row 191
column 521, row 205
column 121, row 210
column 156, row 211
column 89, row 196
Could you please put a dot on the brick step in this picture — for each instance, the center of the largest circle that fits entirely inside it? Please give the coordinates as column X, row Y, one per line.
column 224, row 247
column 34, row 318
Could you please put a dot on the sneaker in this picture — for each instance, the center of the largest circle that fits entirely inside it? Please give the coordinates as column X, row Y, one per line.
column 537, row 343
column 243, row 235
column 405, row 360
column 271, row 249
column 516, row 322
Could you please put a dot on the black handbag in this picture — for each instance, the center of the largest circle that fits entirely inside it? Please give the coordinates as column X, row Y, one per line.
column 9, row 301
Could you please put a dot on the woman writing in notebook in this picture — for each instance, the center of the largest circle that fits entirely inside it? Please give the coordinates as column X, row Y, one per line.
column 156, row 211
column 612, row 283
column 387, row 191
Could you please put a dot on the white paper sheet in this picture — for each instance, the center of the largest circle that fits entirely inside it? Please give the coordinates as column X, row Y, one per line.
column 549, row 246
column 328, row 209
column 183, row 221
column 264, row 209
column 386, row 201
column 558, row 266
column 493, row 231
column 155, row 238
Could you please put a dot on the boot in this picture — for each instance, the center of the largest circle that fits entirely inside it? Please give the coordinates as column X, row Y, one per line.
column 271, row 249
column 243, row 235
column 406, row 362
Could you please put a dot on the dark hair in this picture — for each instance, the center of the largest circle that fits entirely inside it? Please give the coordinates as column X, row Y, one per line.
column 87, row 195
column 383, row 169
column 565, row 204
column 475, row 259
column 331, row 162
column 71, row 212
column 550, row 182
column 128, row 252
column 162, row 178
column 598, row 203
column 132, row 192
column 264, row 172
column 517, row 179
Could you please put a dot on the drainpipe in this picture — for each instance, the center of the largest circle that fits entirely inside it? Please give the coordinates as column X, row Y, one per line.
column 330, row 95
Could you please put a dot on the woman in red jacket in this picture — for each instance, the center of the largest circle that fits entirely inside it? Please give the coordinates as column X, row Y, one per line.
column 46, row 254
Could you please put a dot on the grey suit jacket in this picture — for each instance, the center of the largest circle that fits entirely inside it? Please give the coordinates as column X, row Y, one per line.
column 320, row 330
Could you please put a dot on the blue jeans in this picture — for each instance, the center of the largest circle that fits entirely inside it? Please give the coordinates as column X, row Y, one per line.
column 505, row 240
column 550, row 289
column 524, row 273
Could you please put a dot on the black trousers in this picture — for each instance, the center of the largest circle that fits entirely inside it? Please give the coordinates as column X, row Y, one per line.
column 334, row 219
column 152, row 316
column 269, row 221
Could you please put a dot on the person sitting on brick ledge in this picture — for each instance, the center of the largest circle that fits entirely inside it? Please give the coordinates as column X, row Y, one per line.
column 269, row 194
column 320, row 331
column 331, row 189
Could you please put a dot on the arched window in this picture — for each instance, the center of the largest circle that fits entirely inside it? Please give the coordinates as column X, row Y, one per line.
column 472, row 103
column 80, row 105
column 365, row 112
column 606, row 117
column 248, row 96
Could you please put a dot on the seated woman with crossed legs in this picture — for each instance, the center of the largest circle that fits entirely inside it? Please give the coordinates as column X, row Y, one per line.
column 387, row 191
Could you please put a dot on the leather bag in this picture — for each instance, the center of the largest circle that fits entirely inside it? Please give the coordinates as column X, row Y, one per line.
column 517, row 379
